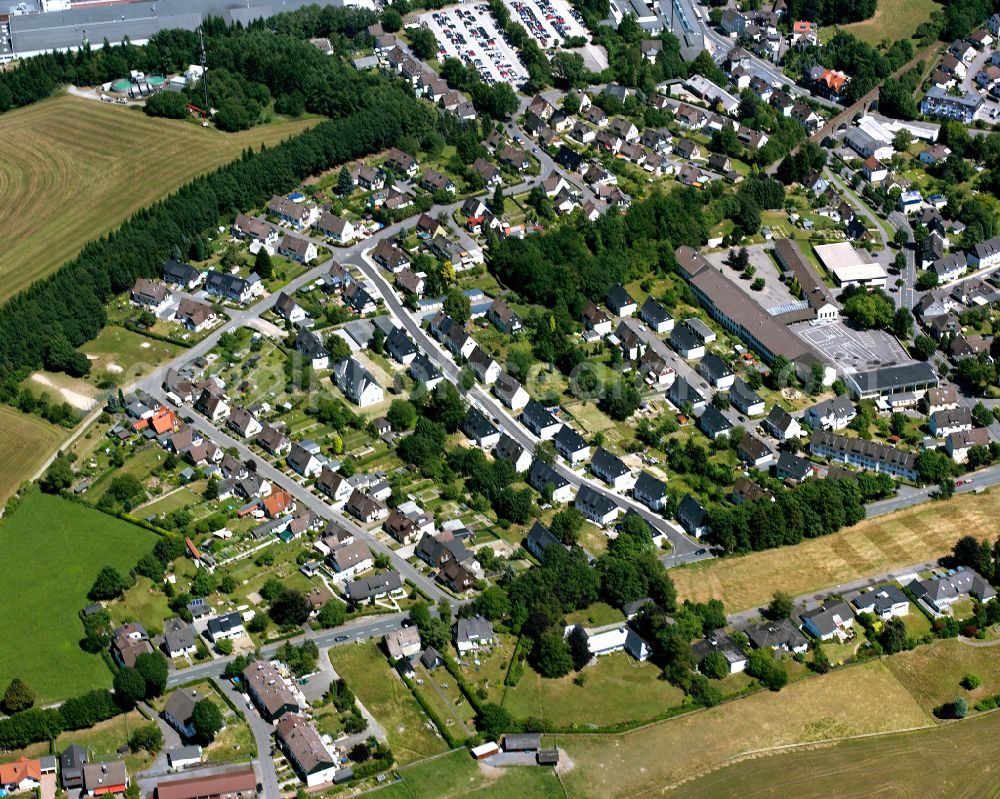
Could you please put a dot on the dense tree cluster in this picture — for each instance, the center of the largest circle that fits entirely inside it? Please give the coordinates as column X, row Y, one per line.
column 831, row 12
column 814, row 508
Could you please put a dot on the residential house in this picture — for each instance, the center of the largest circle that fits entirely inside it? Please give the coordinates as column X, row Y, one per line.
column 483, row 366
column 539, row 421
column 780, row 424
column 507, row 449
column 543, row 478
column 611, row 469
column 182, row 275
column 865, row 454
column 957, row 445
column 298, row 249
column 595, row 319
column 472, row 634
column 885, row 601
column 178, row 711
column 357, row 383
column 303, row 461
column 939, row 591
column 288, row 309
column 539, row 539
column 745, row 399
column 307, row 754
column 719, row 641
column 713, row 423
column 681, row 393
column 692, row 516
column 368, row 589
column 831, row 414
column 570, row 445
column 510, row 392
column 753, row 451
column 354, row 557
column 780, row 635
column 340, row 230
column 832, row 620
column 943, row 423
column 595, row 506
column 650, row 491
column 273, row 441
column 656, row 316
column 716, row 371
column 194, row 315
column 258, row 230
column 480, row 429
column 233, row 288
column 151, row 295
column 366, row 508
column 503, row 316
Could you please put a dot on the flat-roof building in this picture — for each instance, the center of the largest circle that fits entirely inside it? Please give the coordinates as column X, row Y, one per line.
column 850, row 266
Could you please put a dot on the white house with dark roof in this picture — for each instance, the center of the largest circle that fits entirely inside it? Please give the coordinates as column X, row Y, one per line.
column 620, row 301
column 510, row 392
column 780, row 424
column 692, row 516
column 745, row 399
column 656, row 316
column 480, row 429
column 542, row 476
column 884, row 601
column 650, row 491
column 611, row 469
column 571, row 445
column 595, row 506
column 507, row 449
column 539, row 421
column 716, row 371
column 357, row 383
column 832, row 620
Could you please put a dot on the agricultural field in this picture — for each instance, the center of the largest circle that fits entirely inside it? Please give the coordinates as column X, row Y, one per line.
column 617, row 689
column 73, row 169
column 889, row 767
column 457, row 776
column 19, row 462
column 853, row 701
column 53, row 550
column 873, row 546
column 893, row 19
column 364, row 668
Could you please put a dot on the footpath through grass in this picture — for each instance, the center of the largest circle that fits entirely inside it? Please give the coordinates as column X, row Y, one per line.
column 25, row 443
column 915, row 535
column 364, row 668
column 74, row 169
column 52, row 550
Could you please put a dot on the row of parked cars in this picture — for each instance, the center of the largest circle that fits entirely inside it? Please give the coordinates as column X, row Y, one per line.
column 466, row 32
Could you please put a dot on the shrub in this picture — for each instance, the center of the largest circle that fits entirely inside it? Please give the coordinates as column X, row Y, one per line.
column 971, row 681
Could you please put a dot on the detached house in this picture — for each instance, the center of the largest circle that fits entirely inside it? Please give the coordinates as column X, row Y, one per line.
column 831, row 414
column 620, row 301
column 611, row 469
column 507, row 449
column 503, row 316
column 303, row 461
column 570, row 445
column 357, row 383
column 298, row 249
column 341, row 230
column 650, row 491
column 780, row 424
column 182, row 275
column 692, row 516
column 543, row 478
column 595, row 506
column 510, row 392
column 295, row 212
column 539, row 421
column 745, row 399
column 480, row 429
column 150, row 294
column 656, row 316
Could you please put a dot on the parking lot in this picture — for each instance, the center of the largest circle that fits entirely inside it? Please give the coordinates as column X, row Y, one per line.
column 550, row 22
column 852, row 349
column 774, row 296
column 470, row 34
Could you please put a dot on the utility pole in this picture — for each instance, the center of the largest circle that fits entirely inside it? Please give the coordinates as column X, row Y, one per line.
column 204, row 69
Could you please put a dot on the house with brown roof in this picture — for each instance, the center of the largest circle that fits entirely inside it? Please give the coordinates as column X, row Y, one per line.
column 402, row 528
column 269, row 690
column 366, row 508
column 306, row 752
column 352, row 558
column 194, row 315
column 150, row 294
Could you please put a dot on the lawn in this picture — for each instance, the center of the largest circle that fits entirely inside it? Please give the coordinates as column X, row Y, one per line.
column 18, row 460
column 53, row 549
column 617, row 689
column 457, row 776
column 74, row 170
column 366, row 671
column 925, row 763
column 124, row 355
column 893, row 19
column 932, row 673
column 857, row 700
column 873, row 546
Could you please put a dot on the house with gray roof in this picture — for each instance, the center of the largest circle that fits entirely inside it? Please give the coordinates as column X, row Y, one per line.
column 939, row 591
column 650, row 491
column 692, row 516
column 542, row 476
column 539, row 420
column 595, row 506
column 884, row 601
column 571, row 445
column 780, row 635
column 713, row 423
column 610, row 468
column 745, row 399
column 832, row 620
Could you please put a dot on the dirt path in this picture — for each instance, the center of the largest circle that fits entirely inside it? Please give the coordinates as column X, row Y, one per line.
column 79, row 401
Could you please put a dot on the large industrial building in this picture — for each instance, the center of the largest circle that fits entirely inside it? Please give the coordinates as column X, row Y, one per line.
column 68, row 25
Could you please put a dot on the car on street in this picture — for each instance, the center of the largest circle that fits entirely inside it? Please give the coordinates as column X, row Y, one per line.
column 340, row 639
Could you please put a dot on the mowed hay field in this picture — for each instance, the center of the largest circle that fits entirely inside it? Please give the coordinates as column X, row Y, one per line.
column 25, row 443
column 52, row 551
column 893, row 19
column 853, row 701
column 915, row 535
column 954, row 761
column 73, row 169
